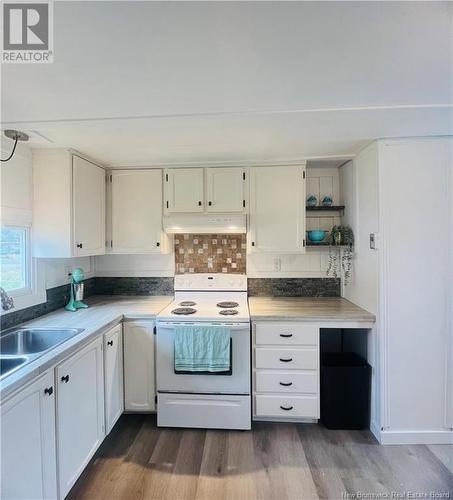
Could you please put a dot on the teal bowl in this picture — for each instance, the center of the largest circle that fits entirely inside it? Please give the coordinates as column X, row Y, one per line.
column 316, row 236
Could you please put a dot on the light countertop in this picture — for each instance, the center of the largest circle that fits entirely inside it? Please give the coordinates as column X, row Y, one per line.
column 103, row 314
column 107, row 311
column 324, row 310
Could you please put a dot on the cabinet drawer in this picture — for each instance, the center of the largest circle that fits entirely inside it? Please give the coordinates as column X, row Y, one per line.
column 296, row 406
column 287, row 358
column 286, row 334
column 287, row 381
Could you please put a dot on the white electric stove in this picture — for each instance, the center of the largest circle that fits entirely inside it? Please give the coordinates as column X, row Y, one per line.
column 205, row 400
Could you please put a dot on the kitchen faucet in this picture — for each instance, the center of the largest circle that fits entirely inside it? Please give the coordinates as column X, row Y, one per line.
column 7, row 301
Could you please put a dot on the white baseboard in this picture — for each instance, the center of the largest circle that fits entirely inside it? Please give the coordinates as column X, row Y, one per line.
column 416, row 437
column 376, row 431
column 293, row 420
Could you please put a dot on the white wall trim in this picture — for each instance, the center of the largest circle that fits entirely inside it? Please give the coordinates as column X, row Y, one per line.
column 38, row 294
column 240, row 112
column 277, row 162
column 383, row 265
column 417, row 437
column 375, row 430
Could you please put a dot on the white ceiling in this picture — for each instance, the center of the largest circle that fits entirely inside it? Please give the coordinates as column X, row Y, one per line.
column 142, row 83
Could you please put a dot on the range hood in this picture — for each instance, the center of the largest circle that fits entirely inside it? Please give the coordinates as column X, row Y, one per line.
column 205, row 223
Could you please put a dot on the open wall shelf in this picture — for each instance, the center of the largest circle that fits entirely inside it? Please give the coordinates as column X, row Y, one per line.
column 333, row 208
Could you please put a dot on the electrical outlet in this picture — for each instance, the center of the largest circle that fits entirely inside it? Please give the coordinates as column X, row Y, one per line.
column 68, row 271
column 277, row 264
column 374, row 241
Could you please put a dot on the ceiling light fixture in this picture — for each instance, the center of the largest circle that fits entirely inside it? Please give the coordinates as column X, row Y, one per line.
column 15, row 135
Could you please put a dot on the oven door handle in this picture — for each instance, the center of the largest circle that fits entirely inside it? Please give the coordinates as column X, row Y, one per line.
column 232, row 326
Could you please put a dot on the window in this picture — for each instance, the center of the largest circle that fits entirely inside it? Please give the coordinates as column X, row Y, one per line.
column 15, row 259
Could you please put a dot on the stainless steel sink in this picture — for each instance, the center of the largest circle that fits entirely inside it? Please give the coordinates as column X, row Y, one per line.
column 34, row 340
column 8, row 365
column 19, row 346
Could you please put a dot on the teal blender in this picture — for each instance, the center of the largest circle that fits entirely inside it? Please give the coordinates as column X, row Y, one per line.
column 76, row 297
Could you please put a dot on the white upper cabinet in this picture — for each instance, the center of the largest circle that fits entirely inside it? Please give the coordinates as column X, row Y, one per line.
column 277, row 209
column 68, row 205
column 184, row 190
column 88, row 187
column 136, row 212
column 225, row 189
column 192, row 190
column 28, row 452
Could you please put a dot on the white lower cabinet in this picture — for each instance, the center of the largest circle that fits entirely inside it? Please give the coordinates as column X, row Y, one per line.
column 28, row 465
column 139, row 377
column 283, row 405
column 80, row 412
column 285, row 370
column 113, row 376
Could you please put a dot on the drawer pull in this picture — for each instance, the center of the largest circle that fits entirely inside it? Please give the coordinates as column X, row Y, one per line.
column 286, row 384
column 286, row 360
column 287, row 408
column 65, row 379
column 286, row 335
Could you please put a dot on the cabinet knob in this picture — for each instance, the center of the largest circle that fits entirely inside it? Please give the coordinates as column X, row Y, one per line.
column 48, row 390
column 287, row 408
column 79, row 245
column 209, row 203
column 253, row 243
column 110, row 342
column 157, row 244
column 199, row 203
column 65, row 379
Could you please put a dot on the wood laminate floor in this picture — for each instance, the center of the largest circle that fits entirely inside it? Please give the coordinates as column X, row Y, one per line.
column 273, row 461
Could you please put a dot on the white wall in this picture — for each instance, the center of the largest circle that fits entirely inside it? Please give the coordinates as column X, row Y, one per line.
column 359, row 184
column 415, row 288
column 402, row 190
column 135, row 265
column 312, row 264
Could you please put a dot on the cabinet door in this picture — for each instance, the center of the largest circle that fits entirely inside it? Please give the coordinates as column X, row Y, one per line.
column 139, row 383
column 136, row 211
column 80, row 412
column 88, row 186
column 184, row 190
column 225, row 189
column 113, row 376
column 277, row 209
column 28, row 452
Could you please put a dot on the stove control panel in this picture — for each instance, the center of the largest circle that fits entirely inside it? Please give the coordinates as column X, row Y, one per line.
column 215, row 281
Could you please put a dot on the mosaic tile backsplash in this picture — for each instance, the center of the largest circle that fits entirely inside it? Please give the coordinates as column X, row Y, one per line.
column 210, row 253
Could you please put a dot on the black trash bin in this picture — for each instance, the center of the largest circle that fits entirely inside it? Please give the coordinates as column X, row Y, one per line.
column 345, row 391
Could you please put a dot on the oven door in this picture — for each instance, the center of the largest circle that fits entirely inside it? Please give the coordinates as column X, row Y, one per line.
column 235, row 382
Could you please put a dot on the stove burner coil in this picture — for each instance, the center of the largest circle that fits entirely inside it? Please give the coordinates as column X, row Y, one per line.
column 228, row 312
column 184, row 311
column 187, row 303
column 227, row 305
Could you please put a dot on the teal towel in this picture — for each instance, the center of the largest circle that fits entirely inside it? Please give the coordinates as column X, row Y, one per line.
column 202, row 348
